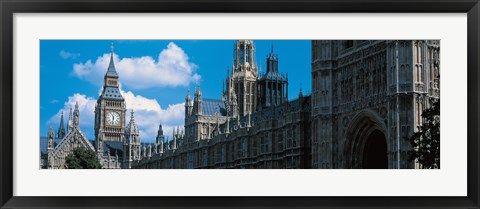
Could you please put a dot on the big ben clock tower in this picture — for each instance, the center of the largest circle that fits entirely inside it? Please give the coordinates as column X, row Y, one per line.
column 110, row 110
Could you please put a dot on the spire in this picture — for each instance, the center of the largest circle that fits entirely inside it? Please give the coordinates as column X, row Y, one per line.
column 76, row 116
column 188, row 98
column 160, row 138
column 132, row 118
column 173, row 132
column 61, row 129
column 149, row 154
column 272, row 62
column 197, row 103
column 132, row 128
column 174, row 140
column 188, row 105
column 160, row 130
column 111, row 71
column 70, row 121
column 198, row 92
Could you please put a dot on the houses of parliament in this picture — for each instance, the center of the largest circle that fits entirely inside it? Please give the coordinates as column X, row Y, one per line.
column 367, row 98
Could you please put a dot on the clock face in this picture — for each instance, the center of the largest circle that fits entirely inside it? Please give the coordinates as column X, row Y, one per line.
column 113, row 118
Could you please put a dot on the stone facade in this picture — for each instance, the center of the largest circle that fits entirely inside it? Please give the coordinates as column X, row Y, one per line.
column 278, row 137
column 252, row 126
column 367, row 98
column 73, row 139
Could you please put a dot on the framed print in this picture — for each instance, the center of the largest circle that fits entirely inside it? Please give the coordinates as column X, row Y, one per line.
column 268, row 104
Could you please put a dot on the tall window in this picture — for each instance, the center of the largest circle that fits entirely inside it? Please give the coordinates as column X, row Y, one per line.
column 222, row 154
column 190, row 160
column 244, row 148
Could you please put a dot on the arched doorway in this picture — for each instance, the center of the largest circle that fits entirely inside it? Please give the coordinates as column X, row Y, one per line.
column 366, row 146
column 375, row 151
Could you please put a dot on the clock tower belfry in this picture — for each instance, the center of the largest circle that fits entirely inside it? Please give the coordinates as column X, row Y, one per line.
column 110, row 110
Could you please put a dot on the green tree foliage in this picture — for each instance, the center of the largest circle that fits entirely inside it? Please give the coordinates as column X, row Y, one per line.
column 426, row 142
column 82, row 158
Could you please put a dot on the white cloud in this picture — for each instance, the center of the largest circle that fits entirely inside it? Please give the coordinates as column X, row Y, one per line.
column 86, row 106
column 68, row 55
column 172, row 68
column 148, row 115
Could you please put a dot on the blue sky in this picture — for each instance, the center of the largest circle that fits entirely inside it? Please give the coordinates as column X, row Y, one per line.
column 155, row 76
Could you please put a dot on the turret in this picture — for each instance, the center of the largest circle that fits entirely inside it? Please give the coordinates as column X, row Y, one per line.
column 70, row 121
column 50, row 148
column 273, row 86
column 131, row 146
column 244, row 77
column 188, row 105
column 174, row 139
column 272, row 62
column 197, row 102
column 160, row 139
column 174, row 142
column 132, row 133
column 144, row 151
column 244, row 56
column 167, row 147
column 76, row 116
column 50, row 138
column 160, row 136
column 149, row 152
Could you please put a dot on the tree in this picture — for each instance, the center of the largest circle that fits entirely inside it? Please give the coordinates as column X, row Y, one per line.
column 82, row 158
column 426, row 142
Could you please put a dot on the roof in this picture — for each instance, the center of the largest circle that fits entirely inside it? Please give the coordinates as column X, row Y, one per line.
column 274, row 76
column 74, row 136
column 112, row 93
column 211, row 106
column 111, row 71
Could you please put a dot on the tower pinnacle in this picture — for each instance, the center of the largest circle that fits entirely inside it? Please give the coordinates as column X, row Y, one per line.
column 61, row 129
column 111, row 71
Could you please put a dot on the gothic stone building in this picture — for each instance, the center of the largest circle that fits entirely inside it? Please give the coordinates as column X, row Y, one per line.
column 367, row 98
column 111, row 136
column 252, row 126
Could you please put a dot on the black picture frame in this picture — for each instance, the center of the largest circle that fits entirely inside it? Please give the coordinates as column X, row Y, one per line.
column 10, row 7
